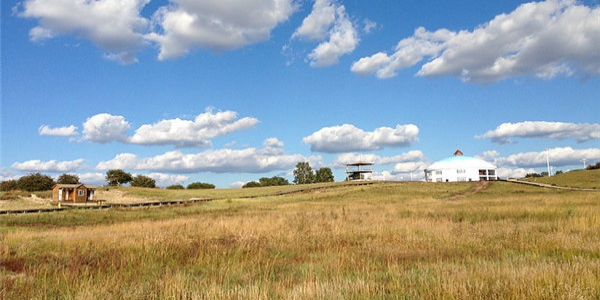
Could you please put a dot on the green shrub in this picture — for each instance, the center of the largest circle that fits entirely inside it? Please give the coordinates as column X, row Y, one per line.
column 35, row 182
column 200, row 186
column 252, row 184
column 175, row 187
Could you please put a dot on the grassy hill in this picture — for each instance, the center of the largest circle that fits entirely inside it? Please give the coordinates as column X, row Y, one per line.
column 383, row 241
column 578, row 178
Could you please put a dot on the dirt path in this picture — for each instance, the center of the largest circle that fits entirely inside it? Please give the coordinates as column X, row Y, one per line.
column 480, row 186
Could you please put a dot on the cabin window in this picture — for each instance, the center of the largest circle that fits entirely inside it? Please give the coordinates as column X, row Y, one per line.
column 80, row 193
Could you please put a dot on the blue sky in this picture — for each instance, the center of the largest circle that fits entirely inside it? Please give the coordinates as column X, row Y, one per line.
column 227, row 92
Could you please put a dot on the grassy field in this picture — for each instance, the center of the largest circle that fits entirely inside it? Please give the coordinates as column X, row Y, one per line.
column 383, row 241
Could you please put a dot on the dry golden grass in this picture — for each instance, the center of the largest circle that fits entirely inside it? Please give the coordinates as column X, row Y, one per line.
column 386, row 241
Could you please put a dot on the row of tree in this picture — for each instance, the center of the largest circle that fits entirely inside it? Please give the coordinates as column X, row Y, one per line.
column 303, row 174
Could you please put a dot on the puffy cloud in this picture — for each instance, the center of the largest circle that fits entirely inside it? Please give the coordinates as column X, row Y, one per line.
column 514, row 173
column 37, row 165
column 251, row 160
column 105, row 128
column 92, row 178
column 557, row 157
column 164, row 180
column 113, row 25
column 59, row 131
column 216, row 24
column 328, row 20
column 408, row 52
column 504, row 133
column 545, row 39
column 348, row 138
column 316, row 25
column 191, row 133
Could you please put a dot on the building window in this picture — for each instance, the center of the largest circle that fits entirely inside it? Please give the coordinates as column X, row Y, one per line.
column 80, row 193
column 438, row 180
column 482, row 172
column 462, row 179
column 483, row 178
column 491, row 172
column 461, row 171
column 438, row 172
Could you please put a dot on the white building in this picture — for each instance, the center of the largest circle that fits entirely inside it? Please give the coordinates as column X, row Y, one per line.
column 460, row 168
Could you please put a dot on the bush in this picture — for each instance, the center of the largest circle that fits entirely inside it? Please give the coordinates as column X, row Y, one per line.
column 68, row 179
column 533, row 175
column 200, row 186
column 251, row 184
column 35, row 182
column 175, row 187
column 273, row 181
column 8, row 185
column 593, row 167
column 143, row 181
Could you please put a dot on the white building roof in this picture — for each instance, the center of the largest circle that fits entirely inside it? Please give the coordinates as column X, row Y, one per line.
column 461, row 162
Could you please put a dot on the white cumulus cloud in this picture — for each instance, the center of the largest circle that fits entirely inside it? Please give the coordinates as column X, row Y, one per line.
column 216, row 25
column 544, row 39
column 329, row 23
column 348, row 138
column 504, row 133
column 113, row 25
column 105, row 128
column 251, row 160
column 58, row 131
column 191, row 133
column 557, row 157
column 36, row 165
column 164, row 180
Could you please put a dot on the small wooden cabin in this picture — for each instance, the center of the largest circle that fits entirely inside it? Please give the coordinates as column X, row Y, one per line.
column 76, row 193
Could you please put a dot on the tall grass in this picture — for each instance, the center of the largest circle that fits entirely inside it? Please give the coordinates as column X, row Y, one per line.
column 401, row 241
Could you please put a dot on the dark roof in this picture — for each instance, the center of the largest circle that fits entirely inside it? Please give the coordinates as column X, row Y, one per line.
column 74, row 186
column 360, row 163
column 458, row 153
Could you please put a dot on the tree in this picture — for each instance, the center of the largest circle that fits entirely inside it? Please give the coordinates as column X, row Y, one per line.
column 35, row 182
column 303, row 173
column 116, row 177
column 593, row 166
column 200, row 186
column 68, row 179
column 143, row 181
column 8, row 185
column 324, row 175
column 251, row 184
column 175, row 187
column 273, row 181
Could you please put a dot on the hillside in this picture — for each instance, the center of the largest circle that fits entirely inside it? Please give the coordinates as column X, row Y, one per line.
column 578, row 178
column 416, row 240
